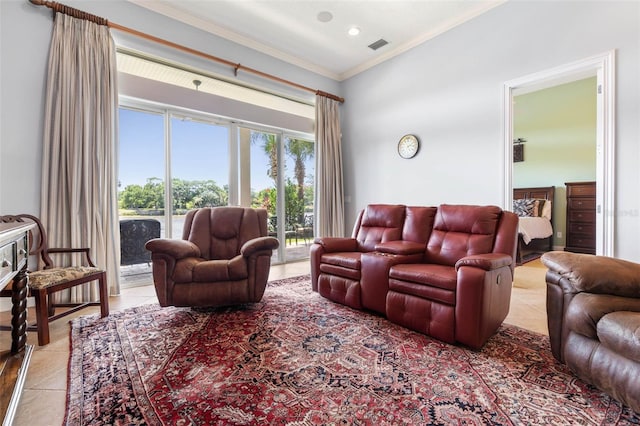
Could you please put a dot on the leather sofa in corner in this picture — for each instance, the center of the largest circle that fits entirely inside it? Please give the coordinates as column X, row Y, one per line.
column 444, row 271
column 593, row 314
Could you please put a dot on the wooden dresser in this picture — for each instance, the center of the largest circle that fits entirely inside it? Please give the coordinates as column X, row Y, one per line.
column 581, row 217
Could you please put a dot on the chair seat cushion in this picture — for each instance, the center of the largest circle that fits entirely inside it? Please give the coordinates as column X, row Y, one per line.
column 349, row 260
column 441, row 276
column 433, row 282
column 196, row 270
column 220, row 270
column 49, row 277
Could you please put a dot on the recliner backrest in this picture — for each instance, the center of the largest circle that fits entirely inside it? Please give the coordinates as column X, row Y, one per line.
column 462, row 230
column 220, row 232
column 379, row 223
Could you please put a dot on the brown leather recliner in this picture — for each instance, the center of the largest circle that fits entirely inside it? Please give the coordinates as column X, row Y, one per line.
column 223, row 259
column 593, row 314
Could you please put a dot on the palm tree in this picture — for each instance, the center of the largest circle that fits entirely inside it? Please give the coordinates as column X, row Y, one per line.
column 270, row 147
column 299, row 150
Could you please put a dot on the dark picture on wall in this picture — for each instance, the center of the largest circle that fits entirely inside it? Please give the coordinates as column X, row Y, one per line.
column 518, row 152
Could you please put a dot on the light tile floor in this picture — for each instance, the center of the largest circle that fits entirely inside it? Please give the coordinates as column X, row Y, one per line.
column 44, row 396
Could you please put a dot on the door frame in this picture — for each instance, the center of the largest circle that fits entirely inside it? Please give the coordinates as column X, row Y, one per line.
column 602, row 66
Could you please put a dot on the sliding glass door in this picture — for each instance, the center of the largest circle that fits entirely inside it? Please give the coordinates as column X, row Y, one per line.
column 174, row 161
column 281, row 180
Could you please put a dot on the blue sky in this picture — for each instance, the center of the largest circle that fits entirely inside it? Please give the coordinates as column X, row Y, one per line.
column 199, row 151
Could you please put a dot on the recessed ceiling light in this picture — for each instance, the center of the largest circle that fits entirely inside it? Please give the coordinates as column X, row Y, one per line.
column 325, row 16
column 354, row 31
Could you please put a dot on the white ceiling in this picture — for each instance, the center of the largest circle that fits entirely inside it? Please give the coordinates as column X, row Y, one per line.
column 291, row 31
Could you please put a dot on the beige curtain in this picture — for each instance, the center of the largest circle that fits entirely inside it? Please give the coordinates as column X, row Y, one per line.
column 79, row 194
column 329, row 188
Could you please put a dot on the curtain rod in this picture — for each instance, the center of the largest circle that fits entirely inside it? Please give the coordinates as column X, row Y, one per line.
column 76, row 13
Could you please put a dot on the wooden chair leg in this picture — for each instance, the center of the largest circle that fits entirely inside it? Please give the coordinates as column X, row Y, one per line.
column 104, row 295
column 51, row 307
column 42, row 315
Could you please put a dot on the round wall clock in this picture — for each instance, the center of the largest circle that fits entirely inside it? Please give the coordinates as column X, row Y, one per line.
column 408, row 146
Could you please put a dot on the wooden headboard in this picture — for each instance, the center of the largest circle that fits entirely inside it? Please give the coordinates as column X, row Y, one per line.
column 543, row 192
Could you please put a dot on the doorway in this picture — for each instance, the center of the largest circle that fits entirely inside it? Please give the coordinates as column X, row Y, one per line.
column 601, row 66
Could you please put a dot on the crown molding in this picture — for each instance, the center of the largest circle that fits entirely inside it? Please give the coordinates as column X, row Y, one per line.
column 185, row 18
column 194, row 21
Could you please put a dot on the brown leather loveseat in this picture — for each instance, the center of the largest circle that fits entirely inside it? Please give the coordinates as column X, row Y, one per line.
column 593, row 314
column 444, row 271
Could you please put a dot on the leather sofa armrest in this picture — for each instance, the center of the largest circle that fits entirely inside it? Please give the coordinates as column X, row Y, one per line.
column 259, row 244
column 400, row 247
column 178, row 249
column 595, row 274
column 488, row 262
column 335, row 244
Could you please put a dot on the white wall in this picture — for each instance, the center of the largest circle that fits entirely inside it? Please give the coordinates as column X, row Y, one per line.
column 448, row 91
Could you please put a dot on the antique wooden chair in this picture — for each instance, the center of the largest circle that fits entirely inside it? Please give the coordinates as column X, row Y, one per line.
column 49, row 279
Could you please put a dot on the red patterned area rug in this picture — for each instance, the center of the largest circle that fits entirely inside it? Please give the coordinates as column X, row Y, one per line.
column 299, row 359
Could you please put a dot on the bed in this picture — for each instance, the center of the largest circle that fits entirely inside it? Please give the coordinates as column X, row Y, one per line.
column 535, row 230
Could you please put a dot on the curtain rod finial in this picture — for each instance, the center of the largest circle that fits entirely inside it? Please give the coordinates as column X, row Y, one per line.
column 37, row 2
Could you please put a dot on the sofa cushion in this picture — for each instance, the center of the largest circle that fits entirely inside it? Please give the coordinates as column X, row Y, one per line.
column 423, row 291
column 461, row 231
column 380, row 223
column 349, row 260
column 439, row 276
column 620, row 332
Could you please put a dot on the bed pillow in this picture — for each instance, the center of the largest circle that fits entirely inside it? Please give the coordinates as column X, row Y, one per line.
column 544, row 208
column 525, row 207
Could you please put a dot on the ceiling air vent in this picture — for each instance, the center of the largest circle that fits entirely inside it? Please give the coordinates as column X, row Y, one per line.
column 378, row 44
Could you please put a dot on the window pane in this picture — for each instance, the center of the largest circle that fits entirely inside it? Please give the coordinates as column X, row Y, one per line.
column 299, row 175
column 263, row 173
column 199, row 167
column 140, row 190
column 141, row 165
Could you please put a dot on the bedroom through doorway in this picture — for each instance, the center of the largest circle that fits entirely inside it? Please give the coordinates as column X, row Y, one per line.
column 556, row 152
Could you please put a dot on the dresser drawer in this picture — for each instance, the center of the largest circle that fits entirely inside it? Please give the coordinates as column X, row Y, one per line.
column 22, row 251
column 581, row 241
column 582, row 204
column 581, row 190
column 582, row 216
column 582, row 229
column 7, row 260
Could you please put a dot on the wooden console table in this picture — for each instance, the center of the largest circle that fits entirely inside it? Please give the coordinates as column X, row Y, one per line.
column 14, row 255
